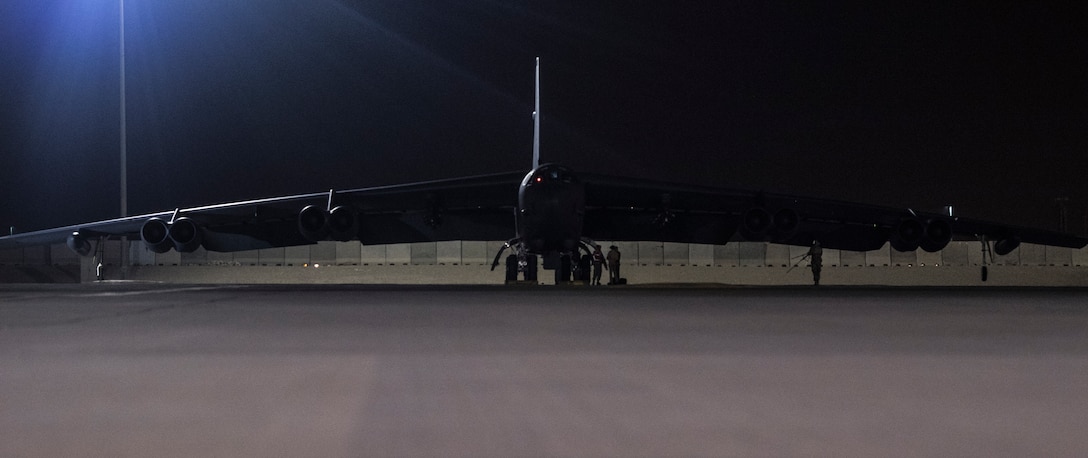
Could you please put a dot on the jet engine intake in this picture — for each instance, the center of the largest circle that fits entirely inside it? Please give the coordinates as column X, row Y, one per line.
column 907, row 235
column 156, row 235
column 313, row 223
column 343, row 224
column 755, row 223
column 938, row 232
column 340, row 224
column 786, row 222
column 186, row 235
column 79, row 244
column 758, row 224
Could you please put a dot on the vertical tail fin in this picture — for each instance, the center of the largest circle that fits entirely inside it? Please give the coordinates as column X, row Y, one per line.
column 536, row 119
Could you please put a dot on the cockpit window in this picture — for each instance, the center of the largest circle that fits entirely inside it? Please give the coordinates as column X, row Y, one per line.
column 553, row 174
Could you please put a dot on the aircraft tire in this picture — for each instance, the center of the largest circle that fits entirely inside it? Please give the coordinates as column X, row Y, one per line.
column 512, row 269
column 530, row 268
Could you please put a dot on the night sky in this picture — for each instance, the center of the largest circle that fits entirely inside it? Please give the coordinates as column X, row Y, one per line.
column 978, row 105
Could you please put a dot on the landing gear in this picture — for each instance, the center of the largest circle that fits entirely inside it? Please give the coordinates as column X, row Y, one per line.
column 987, row 253
column 562, row 271
column 517, row 262
column 569, row 270
column 511, row 268
column 530, row 268
column 526, row 266
column 520, row 262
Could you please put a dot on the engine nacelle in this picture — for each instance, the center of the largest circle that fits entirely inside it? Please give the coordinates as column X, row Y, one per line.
column 316, row 224
column 1006, row 245
column 186, row 235
column 907, row 235
column 343, row 224
column 79, row 244
column 313, row 223
column 755, row 223
column 786, row 221
column 938, row 233
column 758, row 224
column 156, row 235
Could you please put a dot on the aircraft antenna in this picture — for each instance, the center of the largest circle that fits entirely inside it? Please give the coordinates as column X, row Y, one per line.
column 536, row 119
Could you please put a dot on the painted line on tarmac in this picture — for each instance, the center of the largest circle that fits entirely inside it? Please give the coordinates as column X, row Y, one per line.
column 159, row 291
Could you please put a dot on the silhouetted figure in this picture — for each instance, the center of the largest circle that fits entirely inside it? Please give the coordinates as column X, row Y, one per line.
column 816, row 261
column 584, row 264
column 575, row 265
column 598, row 263
column 613, row 265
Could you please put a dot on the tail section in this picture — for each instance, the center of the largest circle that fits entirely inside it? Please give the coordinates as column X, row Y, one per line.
column 536, row 119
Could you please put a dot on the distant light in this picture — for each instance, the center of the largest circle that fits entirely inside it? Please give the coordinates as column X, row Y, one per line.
column 539, row 179
column 317, row 265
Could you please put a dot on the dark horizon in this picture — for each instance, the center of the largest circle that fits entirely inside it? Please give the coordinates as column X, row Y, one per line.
column 976, row 105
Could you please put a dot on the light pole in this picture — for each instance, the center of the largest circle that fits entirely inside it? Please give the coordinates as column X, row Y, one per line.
column 124, row 152
column 124, row 172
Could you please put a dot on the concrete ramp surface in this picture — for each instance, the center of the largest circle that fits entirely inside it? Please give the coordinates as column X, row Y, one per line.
column 152, row 370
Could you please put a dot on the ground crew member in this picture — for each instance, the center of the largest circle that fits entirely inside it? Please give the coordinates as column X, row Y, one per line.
column 598, row 262
column 816, row 261
column 613, row 265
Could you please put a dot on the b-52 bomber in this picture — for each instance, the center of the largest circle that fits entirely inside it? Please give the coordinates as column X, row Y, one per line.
column 551, row 212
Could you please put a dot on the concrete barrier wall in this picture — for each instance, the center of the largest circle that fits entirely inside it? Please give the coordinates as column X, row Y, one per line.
column 636, row 274
column 738, row 254
column 664, row 260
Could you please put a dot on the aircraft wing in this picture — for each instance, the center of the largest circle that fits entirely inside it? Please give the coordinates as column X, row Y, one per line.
column 481, row 208
column 630, row 210
column 474, row 208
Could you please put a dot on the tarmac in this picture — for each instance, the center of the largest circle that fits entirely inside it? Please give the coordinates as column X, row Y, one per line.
column 149, row 369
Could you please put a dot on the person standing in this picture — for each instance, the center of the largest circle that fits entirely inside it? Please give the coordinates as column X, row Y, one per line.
column 613, row 265
column 598, row 263
column 816, row 261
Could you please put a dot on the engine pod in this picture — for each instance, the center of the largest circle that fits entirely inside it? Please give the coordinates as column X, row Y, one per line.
column 155, row 233
column 342, row 224
column 312, row 223
column 938, row 232
column 755, row 223
column 907, row 235
column 1006, row 245
column 786, row 222
column 79, row 244
column 186, row 235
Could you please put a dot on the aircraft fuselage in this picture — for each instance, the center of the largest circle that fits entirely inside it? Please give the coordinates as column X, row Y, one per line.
column 551, row 209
